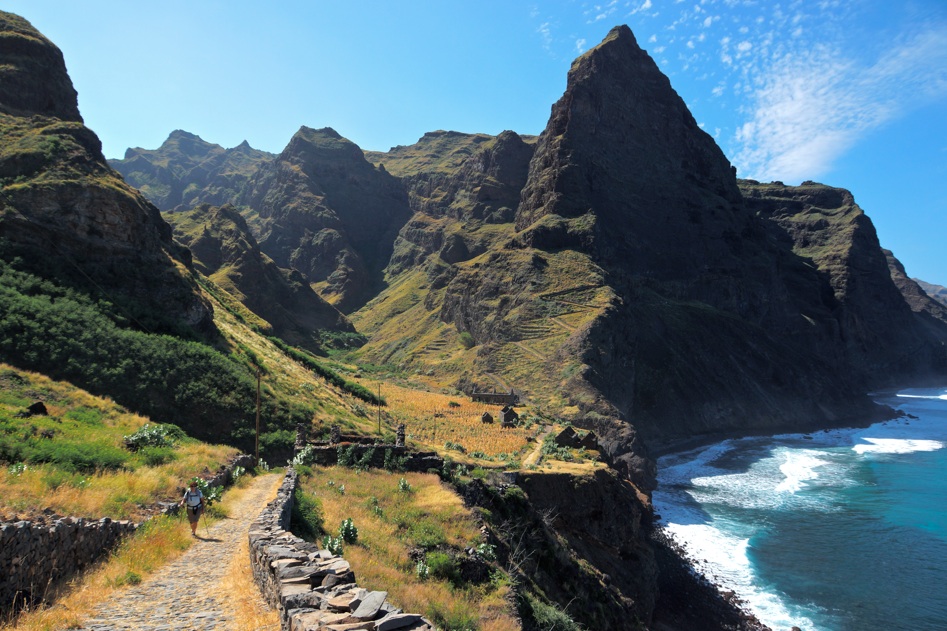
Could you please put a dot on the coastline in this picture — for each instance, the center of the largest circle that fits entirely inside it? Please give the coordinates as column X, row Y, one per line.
column 896, row 426
column 689, row 600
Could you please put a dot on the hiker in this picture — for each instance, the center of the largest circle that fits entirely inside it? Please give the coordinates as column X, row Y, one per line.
column 194, row 500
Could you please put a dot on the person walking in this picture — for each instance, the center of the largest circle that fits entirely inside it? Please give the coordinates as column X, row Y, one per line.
column 194, row 501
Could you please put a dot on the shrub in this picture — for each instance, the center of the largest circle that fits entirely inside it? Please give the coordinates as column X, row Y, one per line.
column 333, row 544
column 443, row 566
column 393, row 462
column 467, row 340
column 422, row 570
column 348, row 531
column 153, row 436
column 306, row 518
column 403, row 486
column 212, row 494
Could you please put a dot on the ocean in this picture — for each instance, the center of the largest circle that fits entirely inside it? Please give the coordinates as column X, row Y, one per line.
column 841, row 530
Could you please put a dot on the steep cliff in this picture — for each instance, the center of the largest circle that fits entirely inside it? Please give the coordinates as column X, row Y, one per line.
column 225, row 251
column 633, row 215
column 876, row 321
column 186, row 171
column 63, row 211
column 327, row 212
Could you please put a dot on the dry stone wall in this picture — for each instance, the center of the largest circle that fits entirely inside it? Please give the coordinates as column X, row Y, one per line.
column 312, row 588
column 36, row 554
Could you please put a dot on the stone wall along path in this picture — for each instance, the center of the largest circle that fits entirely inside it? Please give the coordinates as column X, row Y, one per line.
column 185, row 594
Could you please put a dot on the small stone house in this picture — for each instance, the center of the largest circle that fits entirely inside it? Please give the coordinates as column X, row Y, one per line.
column 486, row 418
column 589, row 441
column 509, row 417
column 567, row 438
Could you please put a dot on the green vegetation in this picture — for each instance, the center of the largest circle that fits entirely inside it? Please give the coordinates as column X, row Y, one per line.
column 306, row 519
column 309, row 361
column 76, row 459
column 412, row 545
column 65, row 334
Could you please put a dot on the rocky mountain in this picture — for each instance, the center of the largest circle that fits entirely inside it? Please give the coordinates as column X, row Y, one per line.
column 614, row 269
column 329, row 213
column 63, row 211
column 937, row 292
column 226, row 252
column 186, row 171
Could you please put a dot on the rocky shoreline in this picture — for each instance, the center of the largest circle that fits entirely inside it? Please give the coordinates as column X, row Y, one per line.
column 688, row 600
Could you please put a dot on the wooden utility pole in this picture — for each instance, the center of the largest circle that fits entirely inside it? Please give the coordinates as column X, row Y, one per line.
column 258, row 415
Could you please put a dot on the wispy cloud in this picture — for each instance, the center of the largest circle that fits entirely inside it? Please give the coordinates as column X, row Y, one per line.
column 809, row 108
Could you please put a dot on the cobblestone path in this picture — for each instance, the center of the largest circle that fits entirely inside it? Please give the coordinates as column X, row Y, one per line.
column 183, row 594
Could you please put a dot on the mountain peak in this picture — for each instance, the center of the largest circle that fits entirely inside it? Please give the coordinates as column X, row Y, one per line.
column 33, row 78
column 622, row 145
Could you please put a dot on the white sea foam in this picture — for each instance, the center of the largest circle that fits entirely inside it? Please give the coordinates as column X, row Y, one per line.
column 896, row 445
column 699, row 490
column 721, row 557
column 799, row 468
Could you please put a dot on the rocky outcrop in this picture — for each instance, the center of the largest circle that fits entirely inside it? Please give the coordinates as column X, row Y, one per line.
column 186, row 171
column 63, row 211
column 327, row 212
column 695, row 330
column 33, row 79
column 937, row 292
column 601, row 523
column 225, row 251
column 455, row 182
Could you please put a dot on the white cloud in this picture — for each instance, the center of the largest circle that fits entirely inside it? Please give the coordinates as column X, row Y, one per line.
column 580, row 45
column 644, row 6
column 545, row 31
column 809, row 108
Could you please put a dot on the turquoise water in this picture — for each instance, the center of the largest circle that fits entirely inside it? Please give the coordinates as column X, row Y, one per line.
column 835, row 531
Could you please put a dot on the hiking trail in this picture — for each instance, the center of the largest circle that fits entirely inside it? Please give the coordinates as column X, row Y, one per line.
column 185, row 593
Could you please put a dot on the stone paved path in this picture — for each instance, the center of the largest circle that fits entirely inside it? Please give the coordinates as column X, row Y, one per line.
column 182, row 595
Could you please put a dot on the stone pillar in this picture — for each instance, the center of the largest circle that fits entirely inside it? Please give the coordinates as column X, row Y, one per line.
column 302, row 435
column 399, row 440
column 335, row 434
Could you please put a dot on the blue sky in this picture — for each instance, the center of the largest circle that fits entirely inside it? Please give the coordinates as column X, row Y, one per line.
column 852, row 93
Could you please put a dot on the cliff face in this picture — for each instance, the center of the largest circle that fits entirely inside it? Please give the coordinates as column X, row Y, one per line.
column 327, row 212
column 689, row 327
column 186, row 171
column 876, row 324
column 63, row 210
column 225, row 251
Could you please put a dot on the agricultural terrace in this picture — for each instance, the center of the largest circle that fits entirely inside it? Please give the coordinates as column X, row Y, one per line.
column 434, row 419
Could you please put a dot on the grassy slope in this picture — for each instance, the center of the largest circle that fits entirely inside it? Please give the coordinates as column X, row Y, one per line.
column 397, row 528
column 83, row 468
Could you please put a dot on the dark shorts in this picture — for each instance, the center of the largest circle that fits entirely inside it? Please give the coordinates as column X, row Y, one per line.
column 193, row 514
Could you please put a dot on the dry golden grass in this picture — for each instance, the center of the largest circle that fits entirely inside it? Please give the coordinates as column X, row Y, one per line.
column 247, row 608
column 78, row 418
column 432, row 420
column 391, row 523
